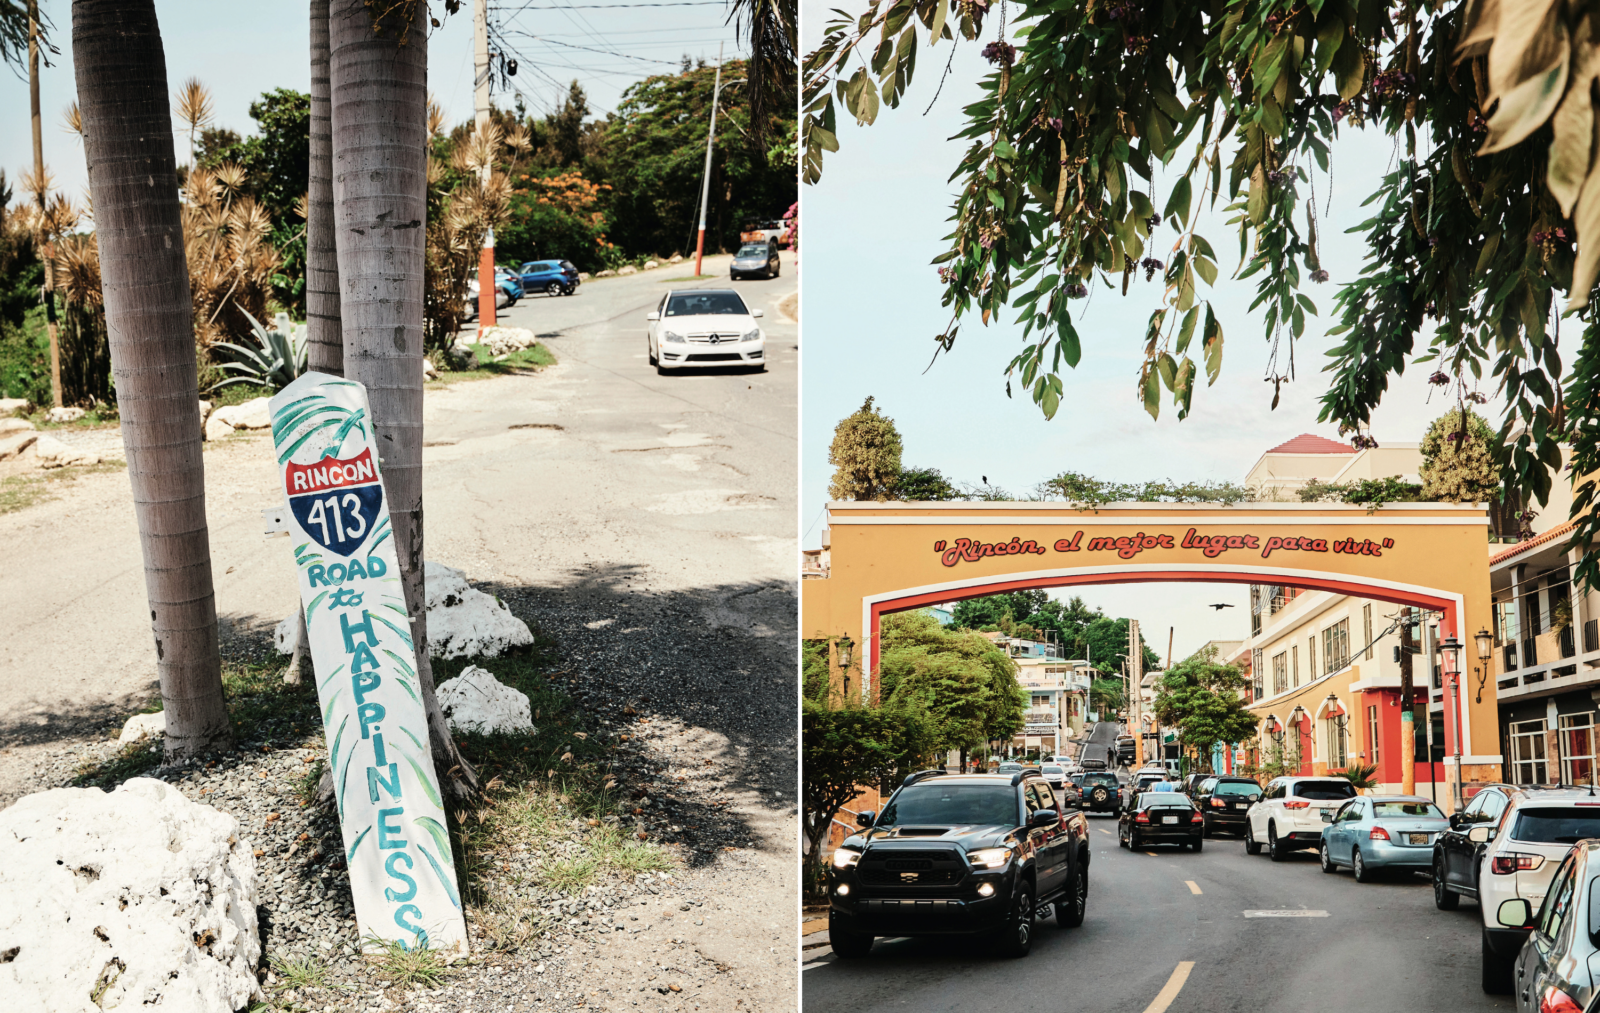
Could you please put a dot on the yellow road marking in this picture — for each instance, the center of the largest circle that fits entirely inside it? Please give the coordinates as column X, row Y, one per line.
column 1103, row 830
column 1194, row 887
column 1152, row 854
column 1170, row 990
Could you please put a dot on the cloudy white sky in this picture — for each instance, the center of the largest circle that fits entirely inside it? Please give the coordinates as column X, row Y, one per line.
column 240, row 50
column 872, row 307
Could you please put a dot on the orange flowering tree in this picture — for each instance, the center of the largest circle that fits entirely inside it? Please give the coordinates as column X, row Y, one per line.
column 556, row 215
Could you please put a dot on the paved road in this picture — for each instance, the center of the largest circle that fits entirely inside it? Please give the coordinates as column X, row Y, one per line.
column 1381, row 946
column 1102, row 744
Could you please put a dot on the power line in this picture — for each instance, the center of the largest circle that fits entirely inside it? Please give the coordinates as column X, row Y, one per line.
column 591, row 49
column 606, row 7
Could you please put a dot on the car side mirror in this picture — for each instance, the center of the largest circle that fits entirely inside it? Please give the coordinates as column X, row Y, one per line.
column 1516, row 913
column 1480, row 835
column 865, row 819
column 1044, row 818
column 653, row 316
column 1327, row 817
column 758, row 313
column 1457, row 820
column 1253, row 798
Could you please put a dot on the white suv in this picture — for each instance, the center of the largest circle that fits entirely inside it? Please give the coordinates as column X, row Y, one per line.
column 1505, row 844
column 1289, row 815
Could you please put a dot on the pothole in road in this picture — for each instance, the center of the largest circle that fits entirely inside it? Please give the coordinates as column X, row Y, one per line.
column 535, row 425
column 706, row 501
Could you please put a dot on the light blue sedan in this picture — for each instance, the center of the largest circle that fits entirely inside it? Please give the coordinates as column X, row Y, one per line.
column 1375, row 832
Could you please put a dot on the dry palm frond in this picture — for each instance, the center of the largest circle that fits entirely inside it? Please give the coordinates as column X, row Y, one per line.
column 436, row 171
column 483, row 146
column 231, row 175
column 302, row 207
column 73, row 118
column 435, row 117
column 61, row 216
column 194, row 104
column 37, row 184
column 77, row 270
column 518, row 139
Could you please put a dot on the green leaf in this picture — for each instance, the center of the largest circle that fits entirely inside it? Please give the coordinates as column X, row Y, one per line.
column 1178, row 202
column 1212, row 345
column 1207, row 269
column 940, row 9
column 1049, row 401
column 1186, row 329
column 1184, row 388
column 1168, row 370
column 1152, row 393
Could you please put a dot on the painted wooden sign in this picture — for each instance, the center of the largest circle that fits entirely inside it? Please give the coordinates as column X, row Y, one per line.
column 402, row 874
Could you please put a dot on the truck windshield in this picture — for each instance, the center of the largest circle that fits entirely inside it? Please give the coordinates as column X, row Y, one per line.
column 952, row 804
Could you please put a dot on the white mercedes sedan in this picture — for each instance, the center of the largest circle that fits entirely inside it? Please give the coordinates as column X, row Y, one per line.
column 699, row 327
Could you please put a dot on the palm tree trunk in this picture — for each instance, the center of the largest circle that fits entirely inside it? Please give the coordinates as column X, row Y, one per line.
column 324, row 337
column 127, row 137
column 380, row 195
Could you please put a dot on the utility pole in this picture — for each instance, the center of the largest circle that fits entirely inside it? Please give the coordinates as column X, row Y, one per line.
column 705, row 179
column 1430, row 638
column 46, row 253
column 1408, row 724
column 1136, row 678
column 480, row 99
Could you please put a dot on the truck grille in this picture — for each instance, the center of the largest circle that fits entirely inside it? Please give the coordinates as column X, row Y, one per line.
column 911, row 867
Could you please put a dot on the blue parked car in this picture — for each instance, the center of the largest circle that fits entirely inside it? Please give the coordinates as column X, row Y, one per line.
column 552, row 277
column 510, row 282
column 1374, row 832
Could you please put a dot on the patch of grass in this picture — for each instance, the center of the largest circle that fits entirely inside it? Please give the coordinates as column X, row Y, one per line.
column 572, row 874
column 237, row 393
column 98, row 416
column 19, row 492
column 260, row 701
column 305, row 973
column 401, row 966
column 306, row 785
column 533, row 358
column 132, row 760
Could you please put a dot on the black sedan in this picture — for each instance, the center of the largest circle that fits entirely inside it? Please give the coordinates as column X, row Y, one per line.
column 1101, row 792
column 1225, row 802
column 1160, row 817
column 755, row 259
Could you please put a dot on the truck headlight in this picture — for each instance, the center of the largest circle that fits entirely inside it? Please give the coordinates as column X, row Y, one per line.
column 751, row 335
column 989, row 858
column 670, row 336
column 844, row 858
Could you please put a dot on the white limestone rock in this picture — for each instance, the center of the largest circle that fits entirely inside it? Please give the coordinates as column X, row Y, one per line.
column 584, row 276
column 137, row 897
column 12, row 405
column 141, row 725
column 677, row 258
column 9, row 426
column 630, row 269
column 429, row 370
column 64, row 414
column 52, row 453
column 216, row 428
column 475, row 701
column 463, row 622
column 13, row 444
column 607, row 273
column 286, row 635
column 253, row 414
column 650, row 265
column 505, row 340
column 205, row 409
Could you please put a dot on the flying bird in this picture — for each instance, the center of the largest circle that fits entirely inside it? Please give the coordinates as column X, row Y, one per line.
column 1222, row 605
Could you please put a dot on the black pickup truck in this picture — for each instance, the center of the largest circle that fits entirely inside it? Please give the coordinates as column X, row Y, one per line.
column 960, row 854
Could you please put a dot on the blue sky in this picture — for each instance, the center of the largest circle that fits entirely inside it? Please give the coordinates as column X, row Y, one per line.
column 871, row 305
column 240, row 50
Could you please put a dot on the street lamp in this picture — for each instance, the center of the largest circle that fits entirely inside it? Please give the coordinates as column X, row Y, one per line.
column 1485, row 641
column 846, row 645
column 1450, row 654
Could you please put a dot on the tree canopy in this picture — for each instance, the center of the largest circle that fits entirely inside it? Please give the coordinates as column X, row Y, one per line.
column 1475, row 229
column 962, row 680
column 1203, row 698
column 865, row 454
column 1458, row 459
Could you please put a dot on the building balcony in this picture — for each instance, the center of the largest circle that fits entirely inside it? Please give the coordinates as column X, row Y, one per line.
column 1042, row 717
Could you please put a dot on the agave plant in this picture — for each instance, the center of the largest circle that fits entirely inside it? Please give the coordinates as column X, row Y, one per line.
column 276, row 364
column 1359, row 774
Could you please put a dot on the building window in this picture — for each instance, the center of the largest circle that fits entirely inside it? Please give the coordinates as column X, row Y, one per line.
column 1372, row 733
column 1311, row 658
column 1256, row 673
column 1577, row 748
column 1338, row 742
column 1294, row 665
column 1255, row 609
column 1366, row 628
column 1527, row 753
column 1280, row 673
column 1336, row 646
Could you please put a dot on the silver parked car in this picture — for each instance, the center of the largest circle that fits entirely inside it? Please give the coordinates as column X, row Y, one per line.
column 1554, row 968
column 1376, row 832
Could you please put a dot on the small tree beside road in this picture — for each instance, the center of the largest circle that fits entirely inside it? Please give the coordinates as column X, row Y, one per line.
column 865, row 454
column 1203, row 699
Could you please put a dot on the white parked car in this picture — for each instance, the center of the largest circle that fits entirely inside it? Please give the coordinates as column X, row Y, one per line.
column 700, row 327
column 470, row 309
column 1288, row 816
column 1505, row 844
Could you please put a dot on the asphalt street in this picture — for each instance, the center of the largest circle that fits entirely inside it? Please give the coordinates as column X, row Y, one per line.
column 1166, row 931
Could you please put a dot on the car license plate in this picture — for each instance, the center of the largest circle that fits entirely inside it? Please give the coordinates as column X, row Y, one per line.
column 1241, row 805
column 1417, row 838
column 1169, row 819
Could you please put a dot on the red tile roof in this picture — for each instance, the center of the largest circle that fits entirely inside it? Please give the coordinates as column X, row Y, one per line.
column 1532, row 543
column 1305, row 443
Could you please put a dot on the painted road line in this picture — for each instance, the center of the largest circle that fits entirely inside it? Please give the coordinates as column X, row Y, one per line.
column 1286, row 913
column 1170, row 990
column 1103, row 830
column 1194, row 887
column 1152, row 854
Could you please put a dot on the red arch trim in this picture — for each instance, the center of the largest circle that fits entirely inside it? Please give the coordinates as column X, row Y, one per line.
column 1356, row 589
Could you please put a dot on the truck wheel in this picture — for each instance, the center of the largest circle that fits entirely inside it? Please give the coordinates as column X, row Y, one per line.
column 1444, row 898
column 1275, row 849
column 1070, row 909
column 1251, row 845
column 1496, row 970
column 847, row 944
column 1015, row 937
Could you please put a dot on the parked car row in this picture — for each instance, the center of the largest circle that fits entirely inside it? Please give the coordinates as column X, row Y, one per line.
column 551, row 277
